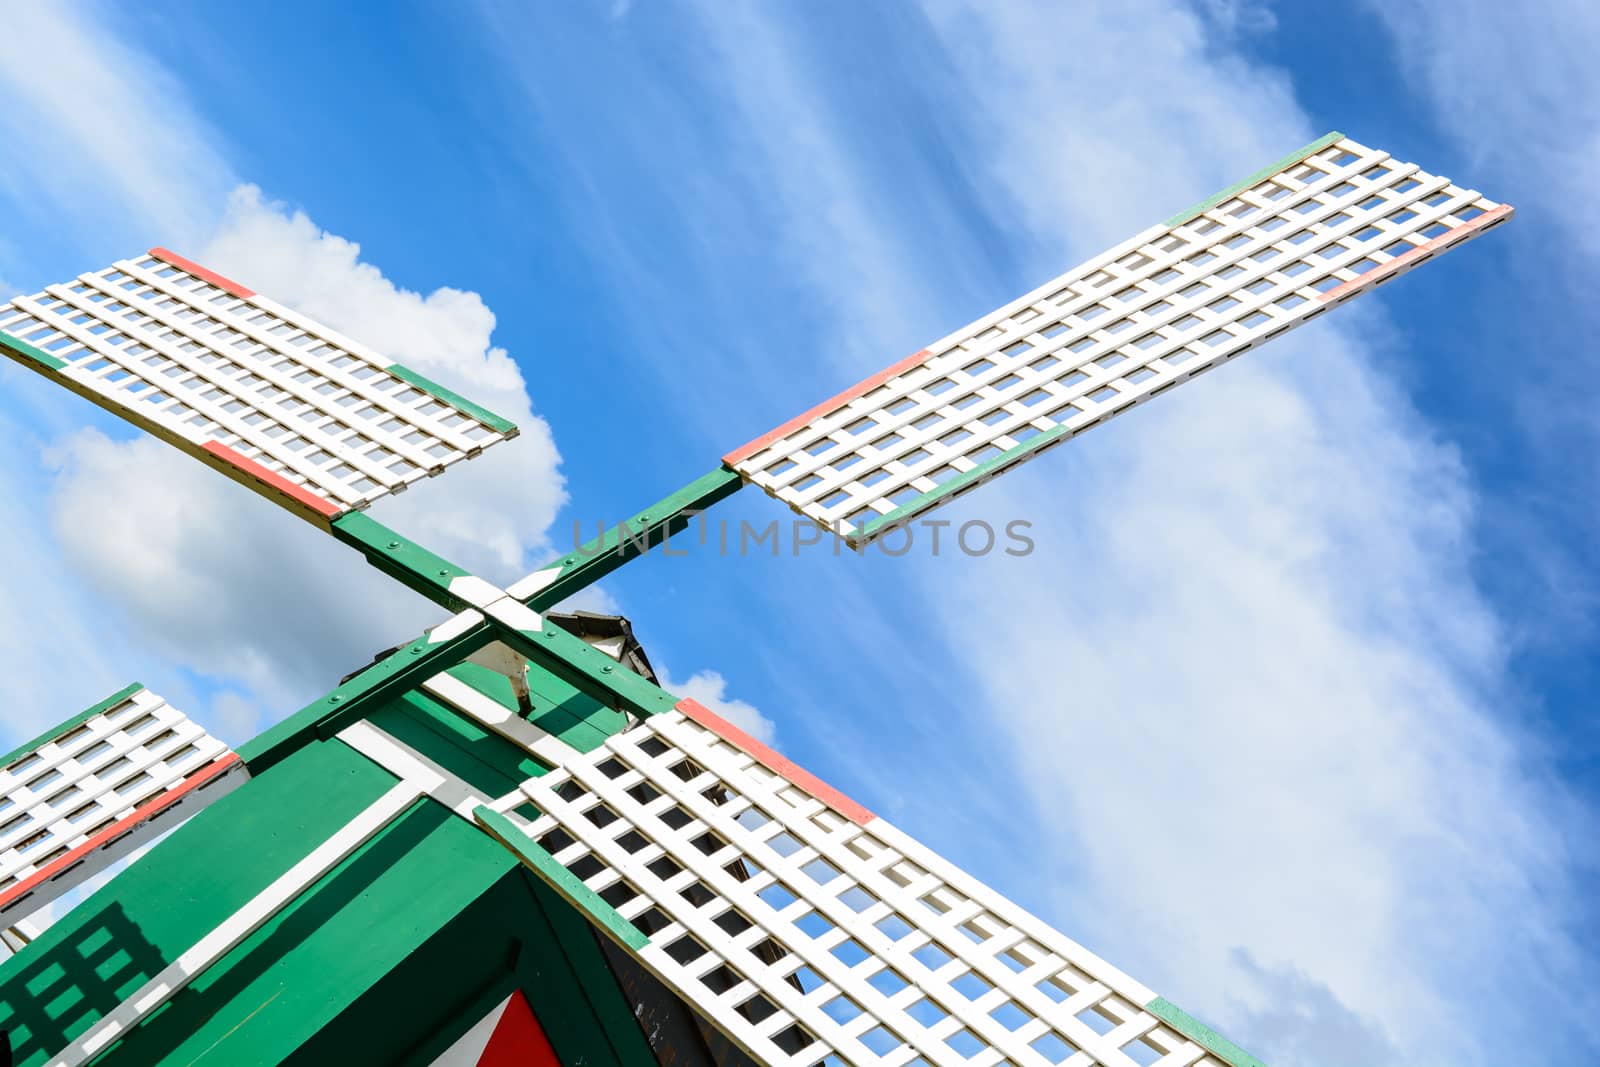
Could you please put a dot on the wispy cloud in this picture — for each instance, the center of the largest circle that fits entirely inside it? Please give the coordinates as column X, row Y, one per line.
column 1247, row 682
column 1515, row 87
column 177, row 561
column 710, row 689
column 105, row 144
column 234, row 588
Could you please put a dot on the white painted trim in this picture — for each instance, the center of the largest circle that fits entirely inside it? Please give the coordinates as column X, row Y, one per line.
column 454, row 626
column 859, row 905
column 476, row 591
column 509, row 612
column 240, row 925
column 407, row 764
column 525, row 587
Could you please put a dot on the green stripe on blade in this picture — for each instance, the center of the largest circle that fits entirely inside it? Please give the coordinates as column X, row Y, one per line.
column 77, row 720
column 455, row 400
column 1265, row 172
column 986, row 469
column 568, row 884
column 1200, row 1033
column 16, row 345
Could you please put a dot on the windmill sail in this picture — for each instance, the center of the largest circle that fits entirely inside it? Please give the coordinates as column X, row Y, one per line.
column 804, row 927
column 801, row 926
column 1330, row 222
column 301, row 414
column 97, row 787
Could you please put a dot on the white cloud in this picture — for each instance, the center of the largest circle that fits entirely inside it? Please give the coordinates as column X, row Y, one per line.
column 104, row 145
column 1514, row 90
column 176, row 559
column 1247, row 679
column 233, row 587
column 1270, row 707
column 235, row 718
column 60, row 659
column 199, row 571
column 710, row 689
column 491, row 514
column 212, row 577
column 1515, row 86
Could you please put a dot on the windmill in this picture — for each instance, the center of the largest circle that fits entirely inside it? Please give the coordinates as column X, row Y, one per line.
column 504, row 841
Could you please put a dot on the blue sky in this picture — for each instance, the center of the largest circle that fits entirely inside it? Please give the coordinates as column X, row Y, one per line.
column 1289, row 714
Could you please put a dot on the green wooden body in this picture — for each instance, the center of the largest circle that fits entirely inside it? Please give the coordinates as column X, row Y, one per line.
column 387, row 959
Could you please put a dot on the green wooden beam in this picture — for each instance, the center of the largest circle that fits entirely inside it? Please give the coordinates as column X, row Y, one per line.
column 634, row 536
column 430, row 574
column 552, row 649
column 400, row 558
column 324, row 717
column 586, row 668
column 545, row 866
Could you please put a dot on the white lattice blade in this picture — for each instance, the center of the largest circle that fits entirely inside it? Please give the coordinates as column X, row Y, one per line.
column 287, row 406
column 804, row 927
column 1326, row 224
column 97, row 787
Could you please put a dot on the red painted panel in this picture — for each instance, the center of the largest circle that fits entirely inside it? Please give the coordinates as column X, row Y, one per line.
column 225, row 284
column 278, row 482
column 518, row 1039
column 1449, row 237
column 215, row 769
column 859, row 389
column 775, row 762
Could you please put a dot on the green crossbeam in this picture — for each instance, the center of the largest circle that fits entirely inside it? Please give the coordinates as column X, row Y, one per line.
column 400, row 558
column 631, row 538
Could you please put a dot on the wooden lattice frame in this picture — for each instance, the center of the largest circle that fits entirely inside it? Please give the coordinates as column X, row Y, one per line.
column 73, row 802
column 292, row 408
column 803, row 926
column 1332, row 221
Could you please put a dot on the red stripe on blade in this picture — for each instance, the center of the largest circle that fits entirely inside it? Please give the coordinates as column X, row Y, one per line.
column 861, row 388
column 277, row 482
column 166, row 255
column 775, row 762
column 154, row 806
column 1401, row 262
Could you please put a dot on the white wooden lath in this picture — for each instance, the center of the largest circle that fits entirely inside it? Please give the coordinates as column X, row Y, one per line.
column 313, row 417
column 1128, row 325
